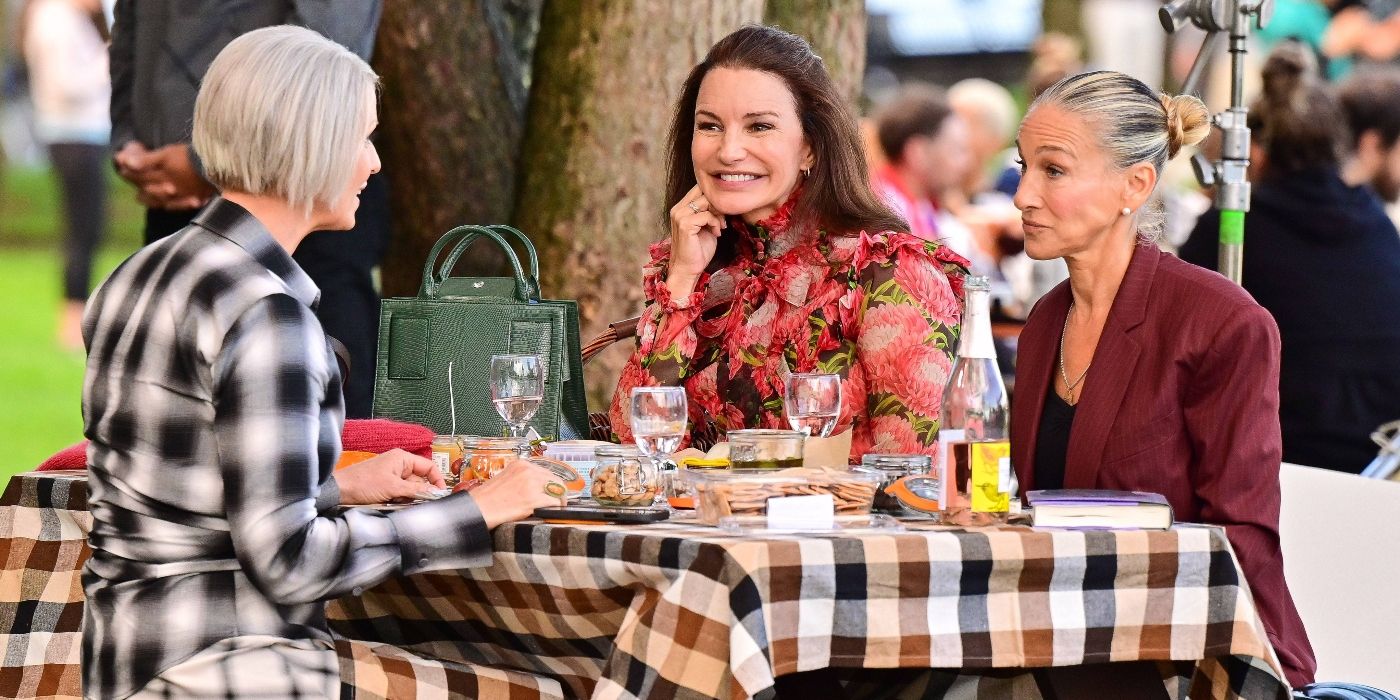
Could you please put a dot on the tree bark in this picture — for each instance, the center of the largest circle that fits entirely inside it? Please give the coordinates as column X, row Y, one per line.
column 836, row 30
column 452, row 114
column 606, row 75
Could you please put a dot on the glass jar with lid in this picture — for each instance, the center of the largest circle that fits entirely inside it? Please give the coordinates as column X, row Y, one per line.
column 624, row 477
column 680, row 494
column 447, row 457
column 485, row 457
column 765, row 448
column 893, row 468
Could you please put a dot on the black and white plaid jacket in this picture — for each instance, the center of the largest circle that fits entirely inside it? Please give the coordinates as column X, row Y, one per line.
column 213, row 406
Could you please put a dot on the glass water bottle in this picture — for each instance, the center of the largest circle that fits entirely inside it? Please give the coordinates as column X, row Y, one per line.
column 974, row 451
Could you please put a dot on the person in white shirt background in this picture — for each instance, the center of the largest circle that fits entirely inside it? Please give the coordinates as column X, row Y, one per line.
column 66, row 54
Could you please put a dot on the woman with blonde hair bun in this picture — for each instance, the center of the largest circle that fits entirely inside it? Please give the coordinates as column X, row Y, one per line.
column 1142, row 372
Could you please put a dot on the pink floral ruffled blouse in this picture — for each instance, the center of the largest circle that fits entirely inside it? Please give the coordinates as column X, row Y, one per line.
column 882, row 310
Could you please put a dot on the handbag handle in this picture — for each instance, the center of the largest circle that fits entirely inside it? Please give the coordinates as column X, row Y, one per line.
column 502, row 229
column 526, row 288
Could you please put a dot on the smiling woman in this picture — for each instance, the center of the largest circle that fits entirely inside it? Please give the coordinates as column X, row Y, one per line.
column 780, row 259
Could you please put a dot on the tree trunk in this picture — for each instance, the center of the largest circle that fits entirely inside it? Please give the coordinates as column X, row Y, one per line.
column 836, row 30
column 606, row 75
column 452, row 114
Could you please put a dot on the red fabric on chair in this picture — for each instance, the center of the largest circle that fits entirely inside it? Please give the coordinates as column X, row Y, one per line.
column 71, row 457
column 381, row 435
column 361, row 435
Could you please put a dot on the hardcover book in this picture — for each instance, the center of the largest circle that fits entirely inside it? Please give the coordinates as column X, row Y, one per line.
column 1099, row 508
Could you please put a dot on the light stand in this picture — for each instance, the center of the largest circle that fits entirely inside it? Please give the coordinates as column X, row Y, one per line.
column 1223, row 19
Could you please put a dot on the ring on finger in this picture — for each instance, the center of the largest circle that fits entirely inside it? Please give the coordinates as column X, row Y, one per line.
column 555, row 489
column 694, row 208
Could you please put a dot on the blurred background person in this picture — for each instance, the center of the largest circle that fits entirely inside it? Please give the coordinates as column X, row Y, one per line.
column 1371, row 102
column 160, row 50
column 927, row 155
column 1125, row 35
column 1362, row 33
column 65, row 49
column 991, row 116
column 1322, row 256
column 982, row 200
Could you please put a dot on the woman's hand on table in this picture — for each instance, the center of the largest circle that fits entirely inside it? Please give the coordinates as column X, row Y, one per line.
column 694, row 235
column 515, row 492
column 393, row 475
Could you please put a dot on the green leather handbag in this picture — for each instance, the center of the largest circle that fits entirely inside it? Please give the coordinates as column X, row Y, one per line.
column 435, row 349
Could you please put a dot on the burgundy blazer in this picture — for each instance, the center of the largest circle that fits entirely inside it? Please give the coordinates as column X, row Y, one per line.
column 1181, row 399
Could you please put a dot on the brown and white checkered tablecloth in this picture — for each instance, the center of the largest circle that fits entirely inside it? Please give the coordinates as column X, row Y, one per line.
column 675, row 610
column 44, row 523
column 681, row 611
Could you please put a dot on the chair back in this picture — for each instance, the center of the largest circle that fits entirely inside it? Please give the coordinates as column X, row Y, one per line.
column 1340, row 536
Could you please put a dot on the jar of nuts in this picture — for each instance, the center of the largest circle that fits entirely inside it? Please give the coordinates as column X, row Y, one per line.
column 624, row 477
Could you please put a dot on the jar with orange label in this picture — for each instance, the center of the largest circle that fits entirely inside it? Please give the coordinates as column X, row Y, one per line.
column 447, row 456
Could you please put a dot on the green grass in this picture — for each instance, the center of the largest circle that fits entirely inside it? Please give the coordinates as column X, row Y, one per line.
column 29, row 211
column 40, row 384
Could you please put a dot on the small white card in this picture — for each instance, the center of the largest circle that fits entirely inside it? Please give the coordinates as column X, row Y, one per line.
column 802, row 512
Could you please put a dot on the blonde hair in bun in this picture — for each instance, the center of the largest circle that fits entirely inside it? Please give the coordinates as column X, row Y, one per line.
column 1133, row 124
column 1188, row 121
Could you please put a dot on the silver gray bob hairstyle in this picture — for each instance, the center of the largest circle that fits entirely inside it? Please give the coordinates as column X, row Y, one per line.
column 283, row 111
column 1135, row 124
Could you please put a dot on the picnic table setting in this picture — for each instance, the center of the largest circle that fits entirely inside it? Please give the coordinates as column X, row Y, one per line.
column 696, row 575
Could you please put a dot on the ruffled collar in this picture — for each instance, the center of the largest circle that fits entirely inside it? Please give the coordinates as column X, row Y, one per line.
column 773, row 235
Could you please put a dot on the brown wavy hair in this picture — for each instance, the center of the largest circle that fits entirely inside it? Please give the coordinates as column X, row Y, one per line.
column 836, row 197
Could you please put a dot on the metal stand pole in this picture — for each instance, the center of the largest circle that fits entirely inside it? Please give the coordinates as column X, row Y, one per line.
column 1230, row 173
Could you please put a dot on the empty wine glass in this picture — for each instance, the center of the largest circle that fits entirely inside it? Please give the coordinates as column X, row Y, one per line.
column 658, row 420
column 813, row 402
column 517, row 388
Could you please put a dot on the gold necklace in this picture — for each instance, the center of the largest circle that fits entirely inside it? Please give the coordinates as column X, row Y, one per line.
column 1069, row 386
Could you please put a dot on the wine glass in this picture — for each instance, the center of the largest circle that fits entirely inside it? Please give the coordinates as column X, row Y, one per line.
column 813, row 402
column 517, row 388
column 658, row 420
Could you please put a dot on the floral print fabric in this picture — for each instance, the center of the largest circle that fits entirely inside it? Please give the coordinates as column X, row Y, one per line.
column 882, row 310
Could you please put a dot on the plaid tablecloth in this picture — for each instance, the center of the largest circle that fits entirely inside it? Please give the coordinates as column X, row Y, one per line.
column 681, row 611
column 675, row 610
column 44, row 523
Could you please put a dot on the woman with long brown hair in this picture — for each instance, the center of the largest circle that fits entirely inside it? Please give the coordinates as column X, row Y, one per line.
column 780, row 259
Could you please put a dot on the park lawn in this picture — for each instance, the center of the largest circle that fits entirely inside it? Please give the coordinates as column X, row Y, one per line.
column 29, row 212
column 40, row 384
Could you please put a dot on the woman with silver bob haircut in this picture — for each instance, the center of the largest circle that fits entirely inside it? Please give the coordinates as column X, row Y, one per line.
column 213, row 407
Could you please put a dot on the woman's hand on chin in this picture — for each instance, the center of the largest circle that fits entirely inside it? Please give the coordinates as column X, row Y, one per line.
column 695, row 233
